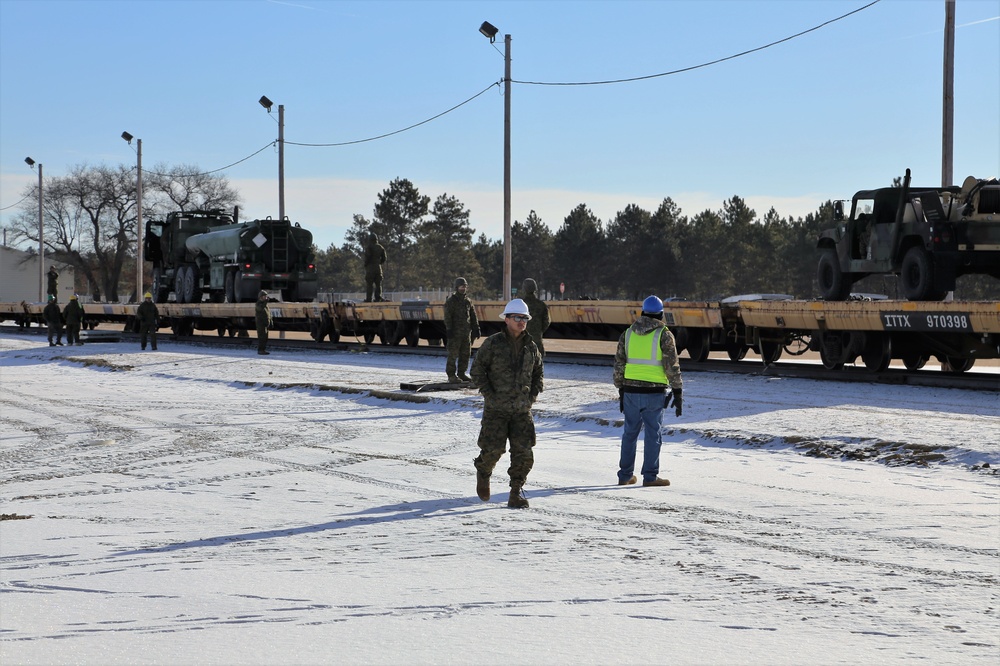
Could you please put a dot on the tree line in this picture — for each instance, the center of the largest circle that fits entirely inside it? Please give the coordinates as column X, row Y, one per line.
column 90, row 217
column 710, row 255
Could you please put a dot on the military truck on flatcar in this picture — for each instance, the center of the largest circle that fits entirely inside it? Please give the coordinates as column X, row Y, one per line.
column 928, row 236
column 209, row 252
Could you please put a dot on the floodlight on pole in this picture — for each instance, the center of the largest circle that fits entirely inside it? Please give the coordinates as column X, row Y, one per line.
column 490, row 31
column 138, row 225
column 41, row 245
column 267, row 104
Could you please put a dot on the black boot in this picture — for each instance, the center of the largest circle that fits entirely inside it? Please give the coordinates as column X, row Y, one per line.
column 517, row 499
column 483, row 486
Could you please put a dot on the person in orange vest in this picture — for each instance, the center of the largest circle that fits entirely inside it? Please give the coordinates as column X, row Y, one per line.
column 646, row 368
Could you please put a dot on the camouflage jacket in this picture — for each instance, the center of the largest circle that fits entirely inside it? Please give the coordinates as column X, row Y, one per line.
column 460, row 316
column 73, row 313
column 374, row 258
column 671, row 366
column 147, row 313
column 262, row 314
column 539, row 312
column 509, row 383
column 52, row 314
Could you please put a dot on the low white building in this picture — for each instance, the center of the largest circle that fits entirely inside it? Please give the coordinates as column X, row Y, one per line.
column 19, row 277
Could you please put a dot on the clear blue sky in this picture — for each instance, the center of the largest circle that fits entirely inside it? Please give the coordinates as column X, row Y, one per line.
column 849, row 106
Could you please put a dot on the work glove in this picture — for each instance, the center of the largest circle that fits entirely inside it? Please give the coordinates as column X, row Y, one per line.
column 621, row 400
column 674, row 399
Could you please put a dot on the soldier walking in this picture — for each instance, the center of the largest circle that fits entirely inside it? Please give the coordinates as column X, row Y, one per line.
column 147, row 314
column 508, row 371
column 646, row 366
column 462, row 328
column 374, row 258
column 53, row 318
column 73, row 316
column 539, row 311
column 263, row 319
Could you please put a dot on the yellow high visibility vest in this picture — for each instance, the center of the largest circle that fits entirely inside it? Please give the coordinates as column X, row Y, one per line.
column 644, row 358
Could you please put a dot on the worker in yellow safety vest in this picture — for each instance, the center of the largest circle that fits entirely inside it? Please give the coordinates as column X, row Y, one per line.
column 646, row 367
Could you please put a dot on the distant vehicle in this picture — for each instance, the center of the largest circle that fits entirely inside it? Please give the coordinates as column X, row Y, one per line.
column 201, row 252
column 928, row 236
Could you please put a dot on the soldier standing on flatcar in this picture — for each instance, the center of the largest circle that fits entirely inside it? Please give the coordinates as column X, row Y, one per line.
column 374, row 258
column 53, row 283
column 73, row 316
column 262, row 316
column 539, row 311
column 462, row 328
column 53, row 318
column 646, row 366
column 147, row 314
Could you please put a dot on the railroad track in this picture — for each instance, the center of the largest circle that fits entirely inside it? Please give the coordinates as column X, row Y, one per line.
column 785, row 367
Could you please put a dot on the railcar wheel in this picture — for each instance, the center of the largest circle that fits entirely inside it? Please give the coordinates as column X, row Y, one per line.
column 833, row 284
column 914, row 361
column 831, row 352
column 770, row 352
column 736, row 352
column 412, row 334
column 877, row 352
column 369, row 337
column 956, row 364
column 698, row 345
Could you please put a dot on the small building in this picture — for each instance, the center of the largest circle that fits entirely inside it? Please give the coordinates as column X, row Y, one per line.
column 19, row 277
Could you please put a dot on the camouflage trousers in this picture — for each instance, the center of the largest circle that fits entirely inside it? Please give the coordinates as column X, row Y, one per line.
column 497, row 428
column 459, row 352
column 373, row 287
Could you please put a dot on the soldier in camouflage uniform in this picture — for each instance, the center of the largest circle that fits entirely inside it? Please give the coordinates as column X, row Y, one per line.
column 73, row 316
column 374, row 258
column 538, row 310
column 646, row 367
column 508, row 372
column 462, row 328
column 53, row 317
column 262, row 317
column 52, row 288
column 147, row 314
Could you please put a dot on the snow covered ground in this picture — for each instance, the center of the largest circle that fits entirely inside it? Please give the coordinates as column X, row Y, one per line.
column 204, row 506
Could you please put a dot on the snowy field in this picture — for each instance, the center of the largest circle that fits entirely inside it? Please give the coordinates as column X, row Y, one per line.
column 204, row 506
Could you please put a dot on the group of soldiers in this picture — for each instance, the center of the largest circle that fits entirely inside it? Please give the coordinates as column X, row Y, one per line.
column 57, row 319
column 509, row 372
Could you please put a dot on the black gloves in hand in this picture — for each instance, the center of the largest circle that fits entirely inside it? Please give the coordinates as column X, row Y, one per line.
column 621, row 401
column 674, row 399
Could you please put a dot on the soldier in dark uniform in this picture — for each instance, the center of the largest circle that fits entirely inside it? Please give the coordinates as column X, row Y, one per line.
column 263, row 318
column 53, row 317
column 462, row 327
column 147, row 314
column 73, row 316
column 53, row 283
column 508, row 372
column 374, row 258
column 538, row 310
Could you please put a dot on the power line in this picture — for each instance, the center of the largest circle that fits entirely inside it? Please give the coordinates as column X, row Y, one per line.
column 704, row 64
column 382, row 136
column 23, row 199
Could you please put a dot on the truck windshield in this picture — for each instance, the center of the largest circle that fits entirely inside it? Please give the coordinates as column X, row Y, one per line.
column 863, row 207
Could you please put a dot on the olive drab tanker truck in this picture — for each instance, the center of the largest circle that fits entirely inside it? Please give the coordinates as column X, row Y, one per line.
column 211, row 252
column 928, row 236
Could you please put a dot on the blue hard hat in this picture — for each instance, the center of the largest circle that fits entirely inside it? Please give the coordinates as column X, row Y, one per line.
column 652, row 305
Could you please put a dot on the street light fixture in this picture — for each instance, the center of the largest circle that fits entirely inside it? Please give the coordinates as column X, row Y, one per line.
column 267, row 104
column 138, row 199
column 490, row 31
column 41, row 246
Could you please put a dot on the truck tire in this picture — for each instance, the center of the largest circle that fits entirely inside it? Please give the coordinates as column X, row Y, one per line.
column 833, row 284
column 916, row 276
column 230, row 287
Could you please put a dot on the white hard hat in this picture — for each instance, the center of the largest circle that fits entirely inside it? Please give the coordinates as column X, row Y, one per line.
column 516, row 307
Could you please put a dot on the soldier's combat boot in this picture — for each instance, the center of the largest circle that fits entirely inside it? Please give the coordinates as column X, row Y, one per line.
column 452, row 379
column 464, row 377
column 517, row 499
column 483, row 486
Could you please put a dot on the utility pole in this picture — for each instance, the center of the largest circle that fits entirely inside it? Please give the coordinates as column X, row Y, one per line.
column 948, row 111
column 506, row 170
